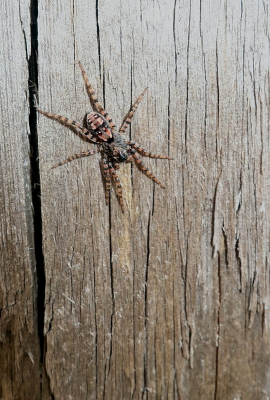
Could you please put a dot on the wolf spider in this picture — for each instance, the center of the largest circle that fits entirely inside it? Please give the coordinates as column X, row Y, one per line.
column 99, row 129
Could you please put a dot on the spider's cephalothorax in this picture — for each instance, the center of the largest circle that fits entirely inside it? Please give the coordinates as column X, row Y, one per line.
column 98, row 126
column 99, row 129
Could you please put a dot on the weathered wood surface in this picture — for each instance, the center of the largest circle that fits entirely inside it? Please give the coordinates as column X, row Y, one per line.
column 171, row 299
column 19, row 343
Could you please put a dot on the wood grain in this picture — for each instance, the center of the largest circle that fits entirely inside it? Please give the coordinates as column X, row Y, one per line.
column 171, row 299
column 19, row 342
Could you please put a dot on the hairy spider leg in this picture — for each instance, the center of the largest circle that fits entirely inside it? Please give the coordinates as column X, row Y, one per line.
column 74, row 126
column 104, row 168
column 93, row 99
column 146, row 153
column 75, row 156
column 128, row 117
column 145, row 170
column 118, row 186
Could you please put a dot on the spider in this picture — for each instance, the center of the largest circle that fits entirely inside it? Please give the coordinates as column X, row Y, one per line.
column 99, row 129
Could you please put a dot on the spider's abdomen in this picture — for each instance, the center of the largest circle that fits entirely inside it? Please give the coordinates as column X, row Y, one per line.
column 120, row 149
column 98, row 126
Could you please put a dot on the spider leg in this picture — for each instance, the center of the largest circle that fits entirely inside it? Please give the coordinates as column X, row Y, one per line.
column 104, row 168
column 146, row 153
column 145, row 170
column 74, row 126
column 93, row 99
column 75, row 156
column 131, row 112
column 118, row 186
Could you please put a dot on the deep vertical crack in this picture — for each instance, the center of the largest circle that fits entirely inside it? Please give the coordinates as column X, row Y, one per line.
column 35, row 178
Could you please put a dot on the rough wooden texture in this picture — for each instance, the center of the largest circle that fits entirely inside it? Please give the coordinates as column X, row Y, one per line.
column 171, row 299
column 19, row 344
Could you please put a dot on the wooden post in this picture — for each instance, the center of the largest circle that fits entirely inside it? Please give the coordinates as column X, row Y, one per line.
column 171, row 299
column 20, row 357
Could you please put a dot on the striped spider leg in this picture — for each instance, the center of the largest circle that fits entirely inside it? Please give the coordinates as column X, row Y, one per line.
column 105, row 173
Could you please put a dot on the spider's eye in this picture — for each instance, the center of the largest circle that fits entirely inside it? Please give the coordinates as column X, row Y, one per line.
column 122, row 157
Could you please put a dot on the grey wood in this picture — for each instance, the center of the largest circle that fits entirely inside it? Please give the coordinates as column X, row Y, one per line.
column 19, row 342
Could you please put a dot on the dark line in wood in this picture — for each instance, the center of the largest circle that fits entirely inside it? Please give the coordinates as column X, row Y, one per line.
column 218, row 96
column 35, row 177
column 145, row 392
column 185, row 285
column 74, row 45
column 131, row 92
column 263, row 317
column 225, row 238
column 134, row 330
column 187, row 84
column 205, row 80
column 104, row 88
column 130, row 133
column 218, row 327
column 98, row 39
column 214, row 205
column 169, row 119
column 153, row 200
column 36, row 195
column 112, row 285
column 217, row 82
column 174, row 40
column 95, row 318
column 239, row 261
column 175, row 378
